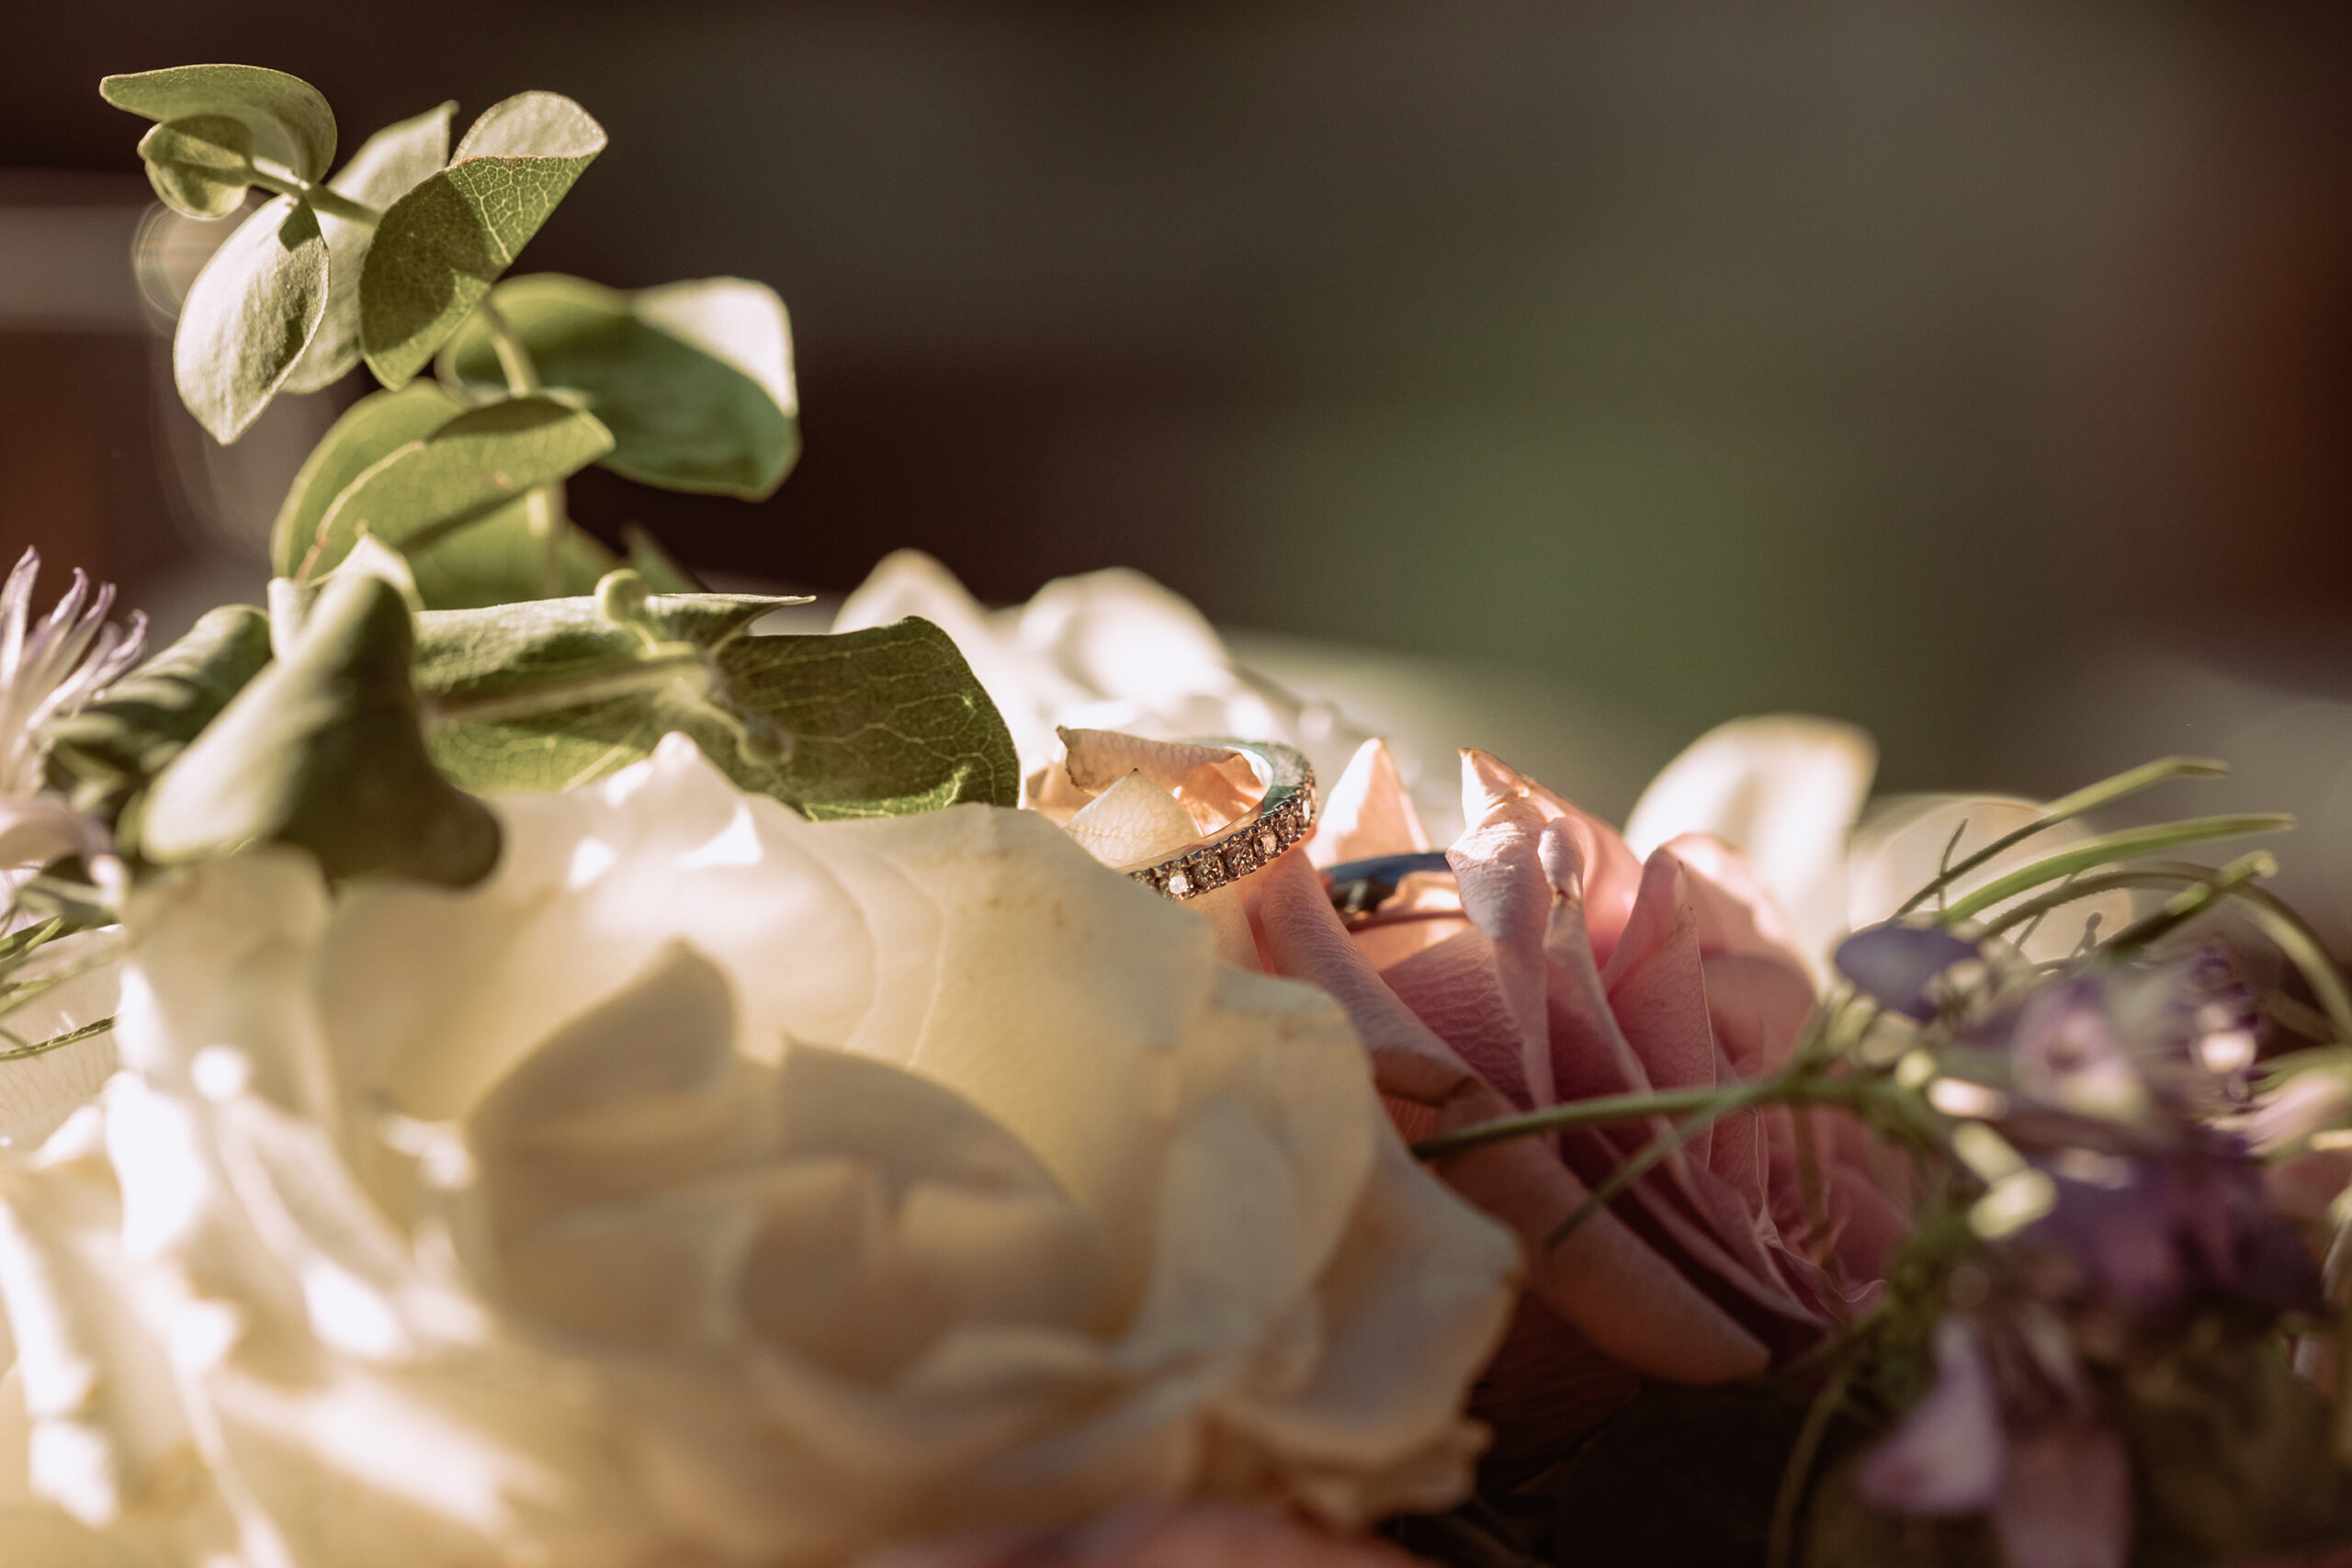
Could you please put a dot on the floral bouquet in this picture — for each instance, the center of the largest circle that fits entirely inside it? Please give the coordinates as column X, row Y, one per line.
column 507, row 1063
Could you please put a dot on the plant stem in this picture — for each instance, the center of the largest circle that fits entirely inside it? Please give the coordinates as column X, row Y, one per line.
column 514, row 359
column 1780, row 1539
column 323, row 197
column 543, row 509
column 1608, row 1110
column 569, row 691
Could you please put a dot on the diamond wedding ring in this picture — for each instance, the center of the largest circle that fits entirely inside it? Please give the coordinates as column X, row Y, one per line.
column 1284, row 813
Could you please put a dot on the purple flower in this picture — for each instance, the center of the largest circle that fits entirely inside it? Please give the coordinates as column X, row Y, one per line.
column 1897, row 965
column 2157, row 1233
column 2007, row 1430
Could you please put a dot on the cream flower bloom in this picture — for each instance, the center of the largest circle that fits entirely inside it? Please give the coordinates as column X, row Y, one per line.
column 1788, row 789
column 1111, row 651
column 711, row 1186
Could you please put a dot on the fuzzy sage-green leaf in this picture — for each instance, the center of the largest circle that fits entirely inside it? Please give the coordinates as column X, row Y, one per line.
column 201, row 166
column 492, row 560
column 442, row 245
column 388, row 165
column 468, row 466
column 250, row 316
column 369, row 431
column 873, row 722
column 323, row 751
column 286, row 122
column 694, row 380
column 101, row 757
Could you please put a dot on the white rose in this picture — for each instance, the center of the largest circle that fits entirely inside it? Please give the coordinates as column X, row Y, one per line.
column 712, row 1187
column 1109, row 650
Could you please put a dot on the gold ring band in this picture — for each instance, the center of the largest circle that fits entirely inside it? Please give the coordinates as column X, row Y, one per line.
column 1285, row 814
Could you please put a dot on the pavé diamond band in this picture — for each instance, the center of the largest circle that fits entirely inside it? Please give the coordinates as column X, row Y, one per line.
column 1285, row 813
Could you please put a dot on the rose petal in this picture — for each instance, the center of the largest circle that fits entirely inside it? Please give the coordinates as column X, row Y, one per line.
column 1367, row 811
column 1610, row 873
column 1132, row 823
column 1601, row 1278
column 1784, row 789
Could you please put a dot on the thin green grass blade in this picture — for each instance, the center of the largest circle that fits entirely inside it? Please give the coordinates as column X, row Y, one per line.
column 2089, row 799
column 2113, row 847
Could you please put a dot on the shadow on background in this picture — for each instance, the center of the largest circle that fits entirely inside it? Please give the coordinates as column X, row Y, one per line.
column 1898, row 363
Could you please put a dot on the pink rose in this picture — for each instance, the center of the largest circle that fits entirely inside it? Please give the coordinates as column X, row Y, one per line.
column 1565, row 969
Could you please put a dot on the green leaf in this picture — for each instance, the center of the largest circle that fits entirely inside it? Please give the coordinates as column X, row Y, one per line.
column 443, row 245
column 103, row 756
column 201, row 166
column 290, row 122
column 469, row 467
column 881, row 722
column 323, row 751
column 388, row 165
column 884, row 721
column 369, row 431
column 694, row 380
column 250, row 315
column 499, row 560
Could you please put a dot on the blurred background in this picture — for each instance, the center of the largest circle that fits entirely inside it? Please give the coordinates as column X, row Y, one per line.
column 1980, row 372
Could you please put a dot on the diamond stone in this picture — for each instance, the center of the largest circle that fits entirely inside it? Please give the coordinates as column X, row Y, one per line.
column 1270, row 843
column 1208, row 871
column 1241, row 857
column 1177, row 884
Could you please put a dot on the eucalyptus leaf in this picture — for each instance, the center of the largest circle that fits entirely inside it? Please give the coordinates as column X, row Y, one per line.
column 101, row 757
column 325, row 752
column 388, row 165
column 880, row 722
column 290, row 124
column 467, row 468
column 443, row 245
column 252, row 312
column 500, row 560
column 694, row 380
column 201, row 166
column 369, row 431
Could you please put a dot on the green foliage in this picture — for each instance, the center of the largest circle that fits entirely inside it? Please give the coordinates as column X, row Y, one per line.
column 250, row 316
column 388, row 165
column 397, row 259
column 201, row 166
column 468, row 467
column 694, row 380
column 503, row 559
column 103, row 756
column 441, row 246
column 324, row 750
column 369, row 431
column 550, row 695
column 286, row 120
